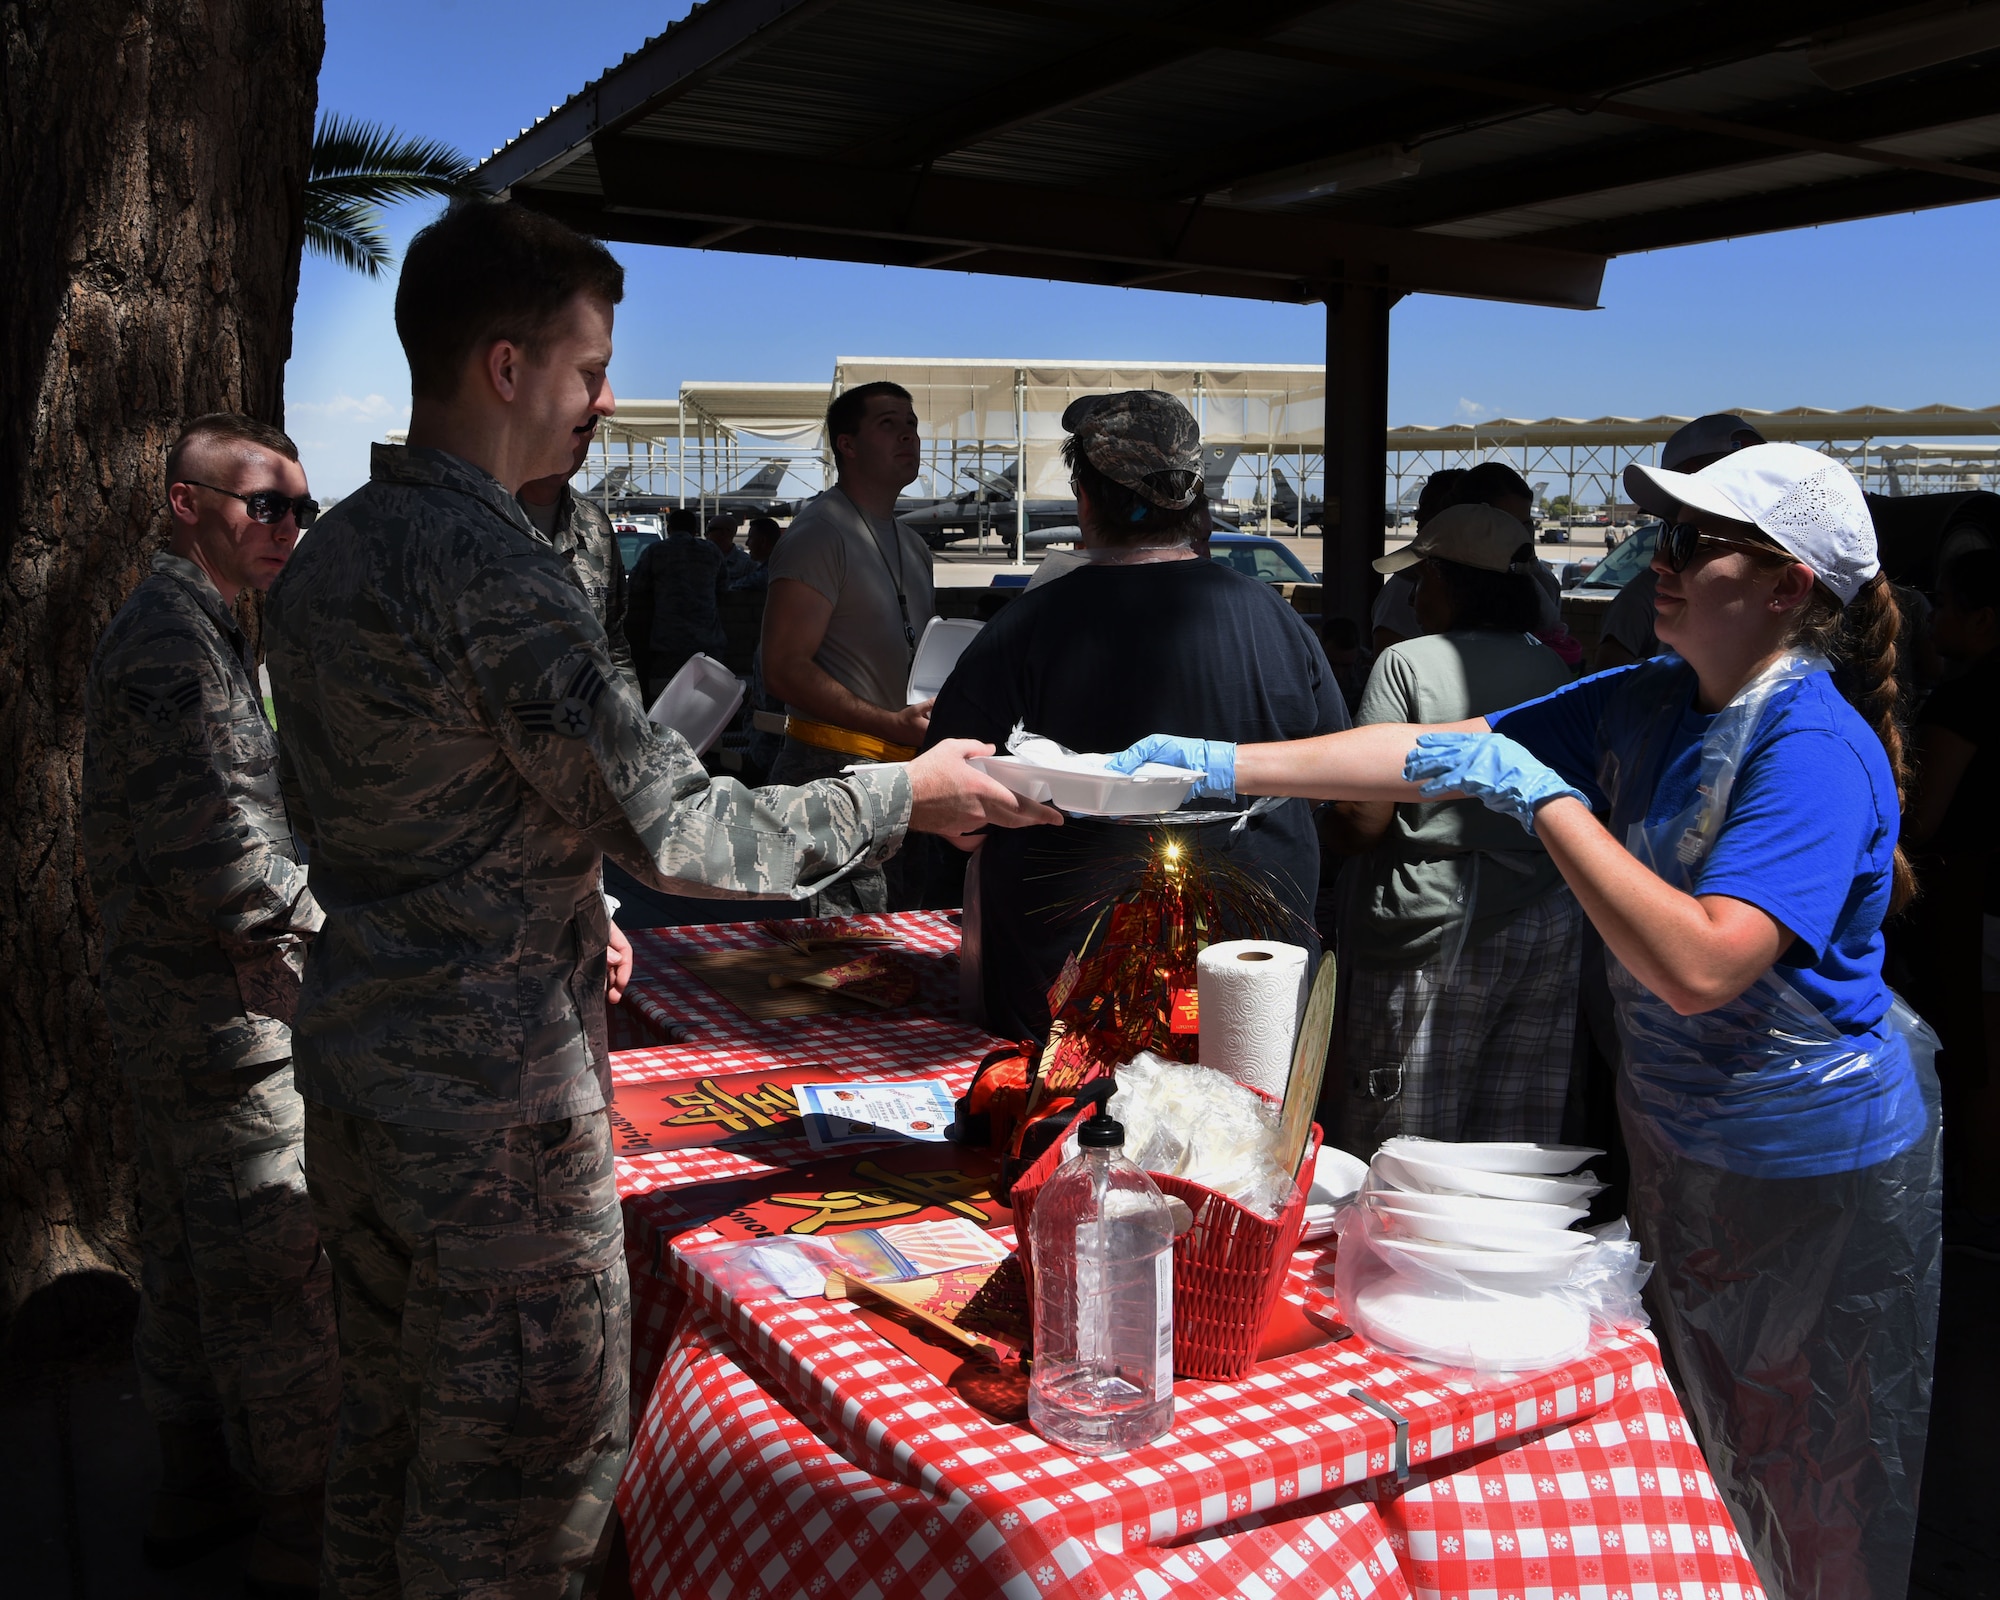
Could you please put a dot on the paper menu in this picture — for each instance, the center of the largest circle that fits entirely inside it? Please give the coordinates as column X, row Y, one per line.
column 841, row 1114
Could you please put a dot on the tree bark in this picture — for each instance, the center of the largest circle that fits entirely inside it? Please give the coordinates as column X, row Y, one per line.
column 152, row 167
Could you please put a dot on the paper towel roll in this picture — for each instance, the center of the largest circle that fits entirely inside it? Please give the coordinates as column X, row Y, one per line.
column 1253, row 992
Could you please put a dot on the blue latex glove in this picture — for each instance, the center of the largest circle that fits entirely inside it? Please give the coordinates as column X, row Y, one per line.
column 1214, row 759
column 1490, row 768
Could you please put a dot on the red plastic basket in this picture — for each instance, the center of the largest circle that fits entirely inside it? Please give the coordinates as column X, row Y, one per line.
column 1228, row 1267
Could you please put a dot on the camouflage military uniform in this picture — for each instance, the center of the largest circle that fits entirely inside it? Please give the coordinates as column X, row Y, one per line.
column 589, row 547
column 206, row 913
column 459, row 753
column 677, row 594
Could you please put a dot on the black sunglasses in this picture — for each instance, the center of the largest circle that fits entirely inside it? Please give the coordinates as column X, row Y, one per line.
column 267, row 505
column 1682, row 539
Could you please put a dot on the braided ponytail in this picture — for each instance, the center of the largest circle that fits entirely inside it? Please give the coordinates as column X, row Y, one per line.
column 1861, row 640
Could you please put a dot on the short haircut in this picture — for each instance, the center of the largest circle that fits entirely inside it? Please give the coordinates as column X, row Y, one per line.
column 224, row 427
column 488, row 270
column 1972, row 581
column 767, row 526
column 725, row 523
column 850, row 407
column 1495, row 480
column 1124, row 516
column 1491, row 602
column 684, row 519
column 1438, row 492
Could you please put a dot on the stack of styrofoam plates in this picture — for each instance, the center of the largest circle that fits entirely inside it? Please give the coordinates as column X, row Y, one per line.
column 1497, row 1214
column 1477, row 1237
column 1337, row 1179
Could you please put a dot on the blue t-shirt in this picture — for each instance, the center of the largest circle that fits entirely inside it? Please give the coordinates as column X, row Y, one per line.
column 1809, row 837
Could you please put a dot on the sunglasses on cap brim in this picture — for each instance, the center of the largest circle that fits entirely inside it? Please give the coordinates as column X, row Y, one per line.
column 267, row 505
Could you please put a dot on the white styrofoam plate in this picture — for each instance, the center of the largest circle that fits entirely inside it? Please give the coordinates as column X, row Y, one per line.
column 1434, row 1177
column 1400, row 1223
column 1516, row 1333
column 1337, row 1176
column 1528, row 1160
column 1478, row 1208
column 943, row 642
column 1522, row 1269
column 699, row 701
column 1088, row 790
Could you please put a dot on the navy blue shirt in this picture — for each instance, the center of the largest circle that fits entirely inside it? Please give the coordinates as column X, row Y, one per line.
column 1096, row 660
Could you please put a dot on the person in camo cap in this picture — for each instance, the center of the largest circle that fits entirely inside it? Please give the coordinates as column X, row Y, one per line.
column 460, row 754
column 1144, row 631
column 206, row 918
column 1144, row 439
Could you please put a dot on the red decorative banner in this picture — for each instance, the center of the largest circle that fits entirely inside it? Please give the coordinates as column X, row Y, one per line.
column 917, row 1183
column 689, row 1113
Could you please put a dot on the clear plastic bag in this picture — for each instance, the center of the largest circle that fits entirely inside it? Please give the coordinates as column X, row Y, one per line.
column 1191, row 1122
column 1432, row 1311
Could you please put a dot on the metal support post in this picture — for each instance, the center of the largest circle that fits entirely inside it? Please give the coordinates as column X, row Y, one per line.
column 1020, row 468
column 1357, row 427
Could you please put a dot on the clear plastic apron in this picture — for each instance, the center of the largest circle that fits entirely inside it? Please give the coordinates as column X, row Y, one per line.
column 1727, row 1086
column 1798, row 1306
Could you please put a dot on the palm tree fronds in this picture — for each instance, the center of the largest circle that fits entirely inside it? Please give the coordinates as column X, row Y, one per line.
column 357, row 168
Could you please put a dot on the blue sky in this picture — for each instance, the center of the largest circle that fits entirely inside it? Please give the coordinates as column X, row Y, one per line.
column 1898, row 312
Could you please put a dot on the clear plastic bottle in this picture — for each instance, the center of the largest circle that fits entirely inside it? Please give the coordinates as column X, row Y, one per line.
column 1103, row 1377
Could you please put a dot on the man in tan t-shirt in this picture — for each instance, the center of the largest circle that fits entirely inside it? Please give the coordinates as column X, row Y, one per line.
column 850, row 593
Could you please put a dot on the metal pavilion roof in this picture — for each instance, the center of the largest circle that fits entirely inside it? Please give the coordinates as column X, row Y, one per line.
column 1271, row 148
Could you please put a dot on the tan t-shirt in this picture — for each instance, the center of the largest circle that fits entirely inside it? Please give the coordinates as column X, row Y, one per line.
column 836, row 549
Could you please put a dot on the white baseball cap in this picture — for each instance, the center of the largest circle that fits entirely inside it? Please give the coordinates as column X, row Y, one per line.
column 1811, row 505
column 1472, row 535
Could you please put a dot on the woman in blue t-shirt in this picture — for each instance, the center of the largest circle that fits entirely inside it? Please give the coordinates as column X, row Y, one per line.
column 1728, row 819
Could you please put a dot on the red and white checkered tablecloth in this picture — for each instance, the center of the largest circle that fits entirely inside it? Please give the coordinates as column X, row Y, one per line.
column 678, row 1006
column 786, row 1440
column 922, row 1040
column 787, row 1450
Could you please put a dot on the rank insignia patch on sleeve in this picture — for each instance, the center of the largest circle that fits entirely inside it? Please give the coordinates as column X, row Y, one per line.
column 163, row 710
column 569, row 716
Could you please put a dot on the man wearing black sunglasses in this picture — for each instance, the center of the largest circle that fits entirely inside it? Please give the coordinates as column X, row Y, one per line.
column 206, row 921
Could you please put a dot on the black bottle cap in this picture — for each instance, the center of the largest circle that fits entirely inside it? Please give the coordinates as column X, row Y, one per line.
column 1101, row 1133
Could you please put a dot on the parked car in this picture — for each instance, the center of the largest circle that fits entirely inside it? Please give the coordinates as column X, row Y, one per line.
column 632, row 542
column 1621, row 566
column 1255, row 556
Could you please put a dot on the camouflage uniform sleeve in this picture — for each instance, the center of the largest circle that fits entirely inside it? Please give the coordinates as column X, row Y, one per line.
column 208, row 825
column 543, row 684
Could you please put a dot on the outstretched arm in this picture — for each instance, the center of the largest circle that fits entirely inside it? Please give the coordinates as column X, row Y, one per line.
column 1695, row 952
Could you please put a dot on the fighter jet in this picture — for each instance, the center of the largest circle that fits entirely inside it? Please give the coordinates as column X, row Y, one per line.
column 940, row 522
column 756, row 496
column 1285, row 504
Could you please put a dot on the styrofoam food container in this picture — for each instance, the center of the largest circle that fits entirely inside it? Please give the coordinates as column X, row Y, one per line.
column 1337, row 1176
column 1522, row 1269
column 1528, row 1160
column 1398, row 1223
column 699, row 701
column 1517, row 1333
column 943, row 642
column 1434, row 1177
column 1478, row 1208
column 1091, row 791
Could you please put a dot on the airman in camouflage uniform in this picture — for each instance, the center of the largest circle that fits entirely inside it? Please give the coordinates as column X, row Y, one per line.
column 460, row 752
column 206, row 919
column 582, row 535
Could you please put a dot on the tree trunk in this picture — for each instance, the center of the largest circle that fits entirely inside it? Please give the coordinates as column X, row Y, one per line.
column 152, row 166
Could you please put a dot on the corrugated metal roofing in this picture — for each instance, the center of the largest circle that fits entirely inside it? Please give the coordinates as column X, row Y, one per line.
column 985, row 134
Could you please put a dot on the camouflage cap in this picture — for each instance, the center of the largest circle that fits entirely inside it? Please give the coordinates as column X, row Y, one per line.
column 1143, row 438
